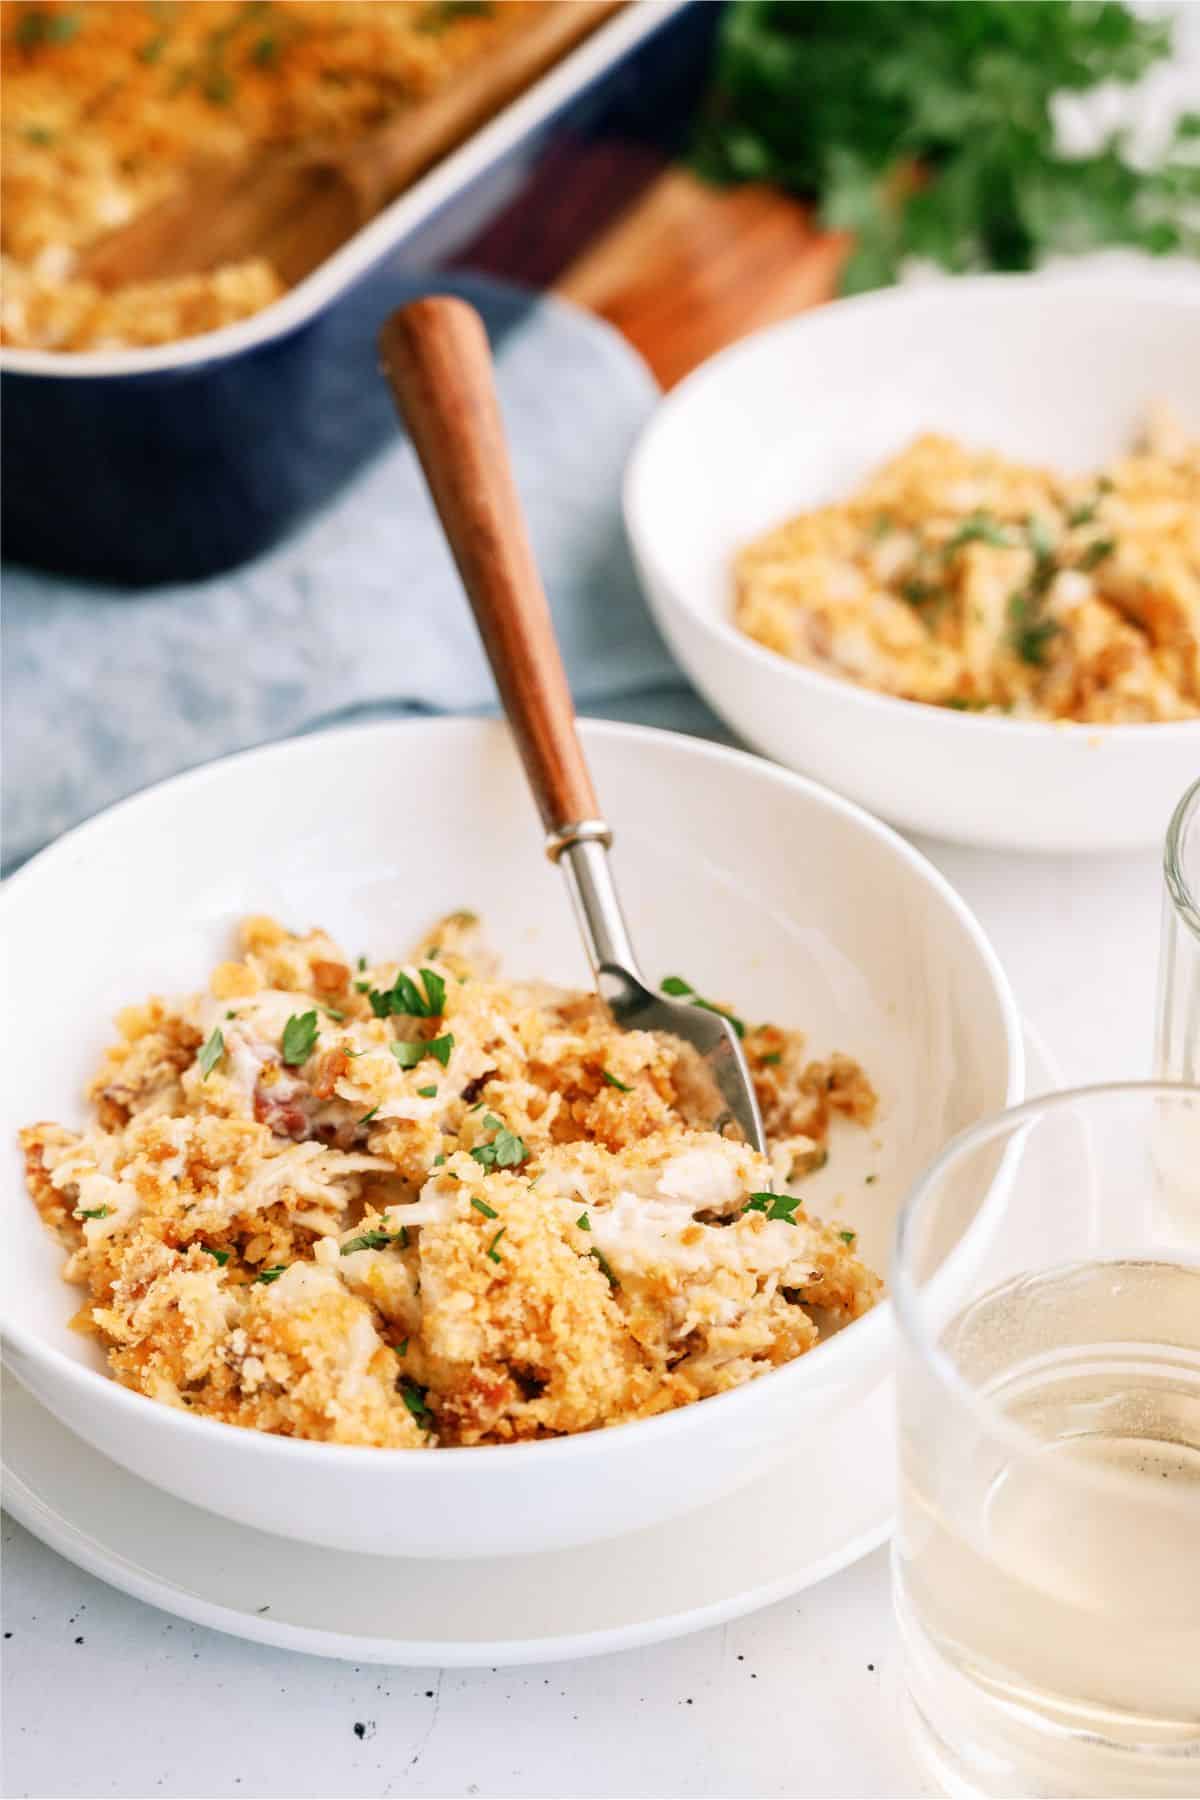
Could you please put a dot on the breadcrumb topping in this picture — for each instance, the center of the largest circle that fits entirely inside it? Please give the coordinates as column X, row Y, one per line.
column 412, row 1203
column 962, row 579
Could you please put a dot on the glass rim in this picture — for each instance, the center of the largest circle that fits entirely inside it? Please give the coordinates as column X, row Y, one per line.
column 904, row 1291
column 1185, row 902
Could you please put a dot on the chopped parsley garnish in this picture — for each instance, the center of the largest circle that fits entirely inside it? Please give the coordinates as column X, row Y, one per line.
column 401, row 1348
column 93, row 1212
column 367, row 1117
column 622, row 1086
column 222, row 1256
column 438, row 14
column 267, row 1276
column 37, row 26
column 604, row 1265
column 361, row 964
column 679, row 989
column 1084, row 514
column 506, row 1150
column 409, row 1053
column 493, row 1254
column 979, row 528
column 213, row 1051
column 1096, row 552
column 331, row 1012
column 772, row 1057
column 231, row 1014
column 1040, row 541
column 299, row 1038
column 1030, row 633
column 919, row 593
column 406, row 998
column 265, row 52
column 775, row 1206
column 369, row 1240
column 413, row 1395
column 847, row 1237
column 439, row 1159
column 428, row 1093
column 481, row 1206
column 583, row 1222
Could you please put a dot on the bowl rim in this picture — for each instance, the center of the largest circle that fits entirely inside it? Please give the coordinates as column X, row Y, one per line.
column 860, row 1335
column 1142, row 291
column 423, row 200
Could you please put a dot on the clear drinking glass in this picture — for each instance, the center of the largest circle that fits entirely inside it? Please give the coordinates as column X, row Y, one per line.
column 1177, row 1044
column 1046, row 1562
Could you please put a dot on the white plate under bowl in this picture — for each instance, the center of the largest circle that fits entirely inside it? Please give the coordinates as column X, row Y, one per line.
column 822, row 1508
column 836, row 1495
column 796, row 416
column 755, row 884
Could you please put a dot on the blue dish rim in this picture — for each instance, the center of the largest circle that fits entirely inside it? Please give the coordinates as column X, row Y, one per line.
column 569, row 79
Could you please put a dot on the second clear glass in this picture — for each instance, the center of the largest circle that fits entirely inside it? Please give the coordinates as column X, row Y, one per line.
column 1047, row 1554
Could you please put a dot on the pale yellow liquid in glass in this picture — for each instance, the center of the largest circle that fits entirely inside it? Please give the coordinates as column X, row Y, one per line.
column 1046, row 1603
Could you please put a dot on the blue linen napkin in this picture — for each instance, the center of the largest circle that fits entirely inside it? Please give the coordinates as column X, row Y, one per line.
column 359, row 614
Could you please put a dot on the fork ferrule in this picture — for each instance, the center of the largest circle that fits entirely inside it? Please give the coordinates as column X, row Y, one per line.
column 583, row 831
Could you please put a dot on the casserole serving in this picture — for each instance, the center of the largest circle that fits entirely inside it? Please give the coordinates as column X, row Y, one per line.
column 175, row 461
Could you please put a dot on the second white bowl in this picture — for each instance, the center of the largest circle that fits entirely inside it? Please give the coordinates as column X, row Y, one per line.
column 1056, row 373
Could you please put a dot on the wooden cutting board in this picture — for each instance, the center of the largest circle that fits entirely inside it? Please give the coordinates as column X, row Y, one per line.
column 680, row 267
column 688, row 268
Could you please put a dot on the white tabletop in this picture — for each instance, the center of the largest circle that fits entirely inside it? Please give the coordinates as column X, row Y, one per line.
column 103, row 1695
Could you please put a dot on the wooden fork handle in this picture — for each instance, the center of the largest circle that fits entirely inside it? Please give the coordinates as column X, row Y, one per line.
column 436, row 358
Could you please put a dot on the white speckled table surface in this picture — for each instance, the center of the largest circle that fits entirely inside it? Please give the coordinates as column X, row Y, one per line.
column 103, row 1695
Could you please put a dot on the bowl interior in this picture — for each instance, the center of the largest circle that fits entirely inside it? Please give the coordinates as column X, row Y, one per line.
column 1056, row 373
column 757, row 886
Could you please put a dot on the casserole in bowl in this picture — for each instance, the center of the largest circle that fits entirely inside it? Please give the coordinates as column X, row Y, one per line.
column 1056, row 374
column 842, row 929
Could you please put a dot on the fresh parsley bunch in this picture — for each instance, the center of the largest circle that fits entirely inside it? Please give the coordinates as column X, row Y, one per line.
column 924, row 127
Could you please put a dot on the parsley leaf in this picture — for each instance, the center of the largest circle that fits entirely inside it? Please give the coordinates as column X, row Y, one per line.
column 979, row 528
column 222, row 1256
column 679, row 989
column 266, row 1276
column 93, row 1212
column 404, row 997
column 506, row 1150
column 848, row 1237
column 213, row 1051
column 583, row 1222
column 413, row 1396
column 775, row 1206
column 930, row 131
column 1030, row 633
column 428, row 1093
column 401, row 1348
column 605, row 1266
column 299, row 1038
column 622, row 1086
column 1096, row 552
column 368, row 1240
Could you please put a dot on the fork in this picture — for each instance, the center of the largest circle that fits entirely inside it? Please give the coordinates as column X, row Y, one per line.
column 437, row 361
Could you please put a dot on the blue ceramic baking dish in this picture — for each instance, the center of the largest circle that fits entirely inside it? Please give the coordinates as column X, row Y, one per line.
column 169, row 464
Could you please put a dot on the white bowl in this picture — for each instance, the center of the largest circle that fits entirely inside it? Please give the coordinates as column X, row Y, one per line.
column 1060, row 373
column 753, row 882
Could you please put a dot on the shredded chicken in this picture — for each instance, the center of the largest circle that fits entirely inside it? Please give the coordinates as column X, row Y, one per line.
column 958, row 578
column 414, row 1204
